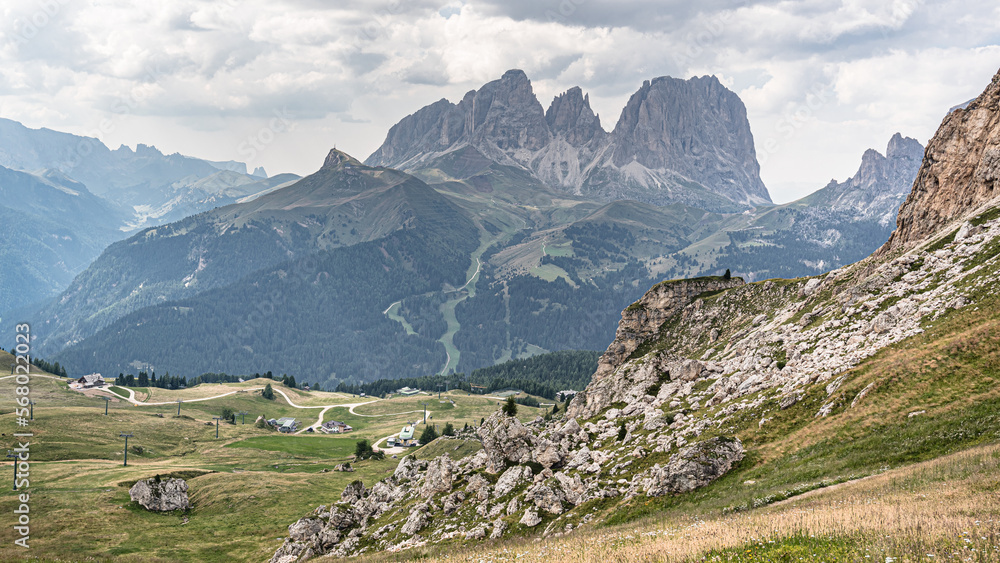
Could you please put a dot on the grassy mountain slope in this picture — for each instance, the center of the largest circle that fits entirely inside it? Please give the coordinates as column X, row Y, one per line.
column 219, row 247
column 320, row 315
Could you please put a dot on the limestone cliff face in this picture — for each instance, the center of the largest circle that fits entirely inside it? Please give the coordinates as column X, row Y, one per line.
column 642, row 320
column 640, row 323
column 502, row 120
column 959, row 172
column 697, row 128
column 677, row 141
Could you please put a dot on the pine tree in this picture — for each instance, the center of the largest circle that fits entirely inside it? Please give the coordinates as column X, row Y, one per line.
column 267, row 393
column 510, row 407
column 428, row 435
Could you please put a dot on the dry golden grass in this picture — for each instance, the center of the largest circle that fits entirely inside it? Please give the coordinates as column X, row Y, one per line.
column 946, row 507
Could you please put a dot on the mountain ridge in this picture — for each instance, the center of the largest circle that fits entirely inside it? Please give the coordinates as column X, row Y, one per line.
column 657, row 152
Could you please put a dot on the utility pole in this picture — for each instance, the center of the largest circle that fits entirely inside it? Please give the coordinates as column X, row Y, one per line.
column 126, row 436
column 217, row 419
column 439, row 391
column 106, row 401
column 243, row 415
column 31, row 406
column 425, row 412
column 179, row 407
column 12, row 455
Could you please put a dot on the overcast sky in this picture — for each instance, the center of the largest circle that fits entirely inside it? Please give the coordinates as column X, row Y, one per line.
column 278, row 83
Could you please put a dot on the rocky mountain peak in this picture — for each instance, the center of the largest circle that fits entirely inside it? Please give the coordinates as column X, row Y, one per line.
column 684, row 141
column 570, row 116
column 336, row 160
column 697, row 128
column 878, row 187
column 901, row 147
column 505, row 114
column 959, row 173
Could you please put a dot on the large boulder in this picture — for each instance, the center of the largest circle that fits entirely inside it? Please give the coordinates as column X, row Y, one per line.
column 505, row 439
column 161, row 496
column 694, row 466
column 407, row 470
column 418, row 519
column 438, row 477
column 511, row 479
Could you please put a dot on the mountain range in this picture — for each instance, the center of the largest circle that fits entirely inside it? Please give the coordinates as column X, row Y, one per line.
column 533, row 256
column 677, row 141
column 74, row 196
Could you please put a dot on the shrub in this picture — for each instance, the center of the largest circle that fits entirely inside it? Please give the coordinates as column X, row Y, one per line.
column 363, row 450
column 622, row 432
column 267, row 393
column 510, row 407
column 428, row 435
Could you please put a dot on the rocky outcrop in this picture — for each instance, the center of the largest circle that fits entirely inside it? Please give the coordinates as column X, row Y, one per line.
column 642, row 320
column 159, row 495
column 684, row 141
column 444, row 500
column 505, row 440
column 694, row 467
column 959, row 173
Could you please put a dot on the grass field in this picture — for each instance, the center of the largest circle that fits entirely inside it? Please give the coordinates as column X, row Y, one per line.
column 314, row 447
column 246, row 486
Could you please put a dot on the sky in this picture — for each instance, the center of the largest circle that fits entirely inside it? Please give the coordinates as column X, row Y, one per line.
column 278, row 83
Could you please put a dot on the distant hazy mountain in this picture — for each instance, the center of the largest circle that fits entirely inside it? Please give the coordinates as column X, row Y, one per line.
column 191, row 195
column 53, row 228
column 879, row 187
column 677, row 141
column 80, row 196
column 89, row 161
column 148, row 186
column 832, row 227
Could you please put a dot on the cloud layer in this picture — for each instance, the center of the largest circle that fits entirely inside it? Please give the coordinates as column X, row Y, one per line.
column 822, row 79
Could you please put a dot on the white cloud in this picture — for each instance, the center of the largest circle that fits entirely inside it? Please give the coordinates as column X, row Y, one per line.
column 822, row 79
